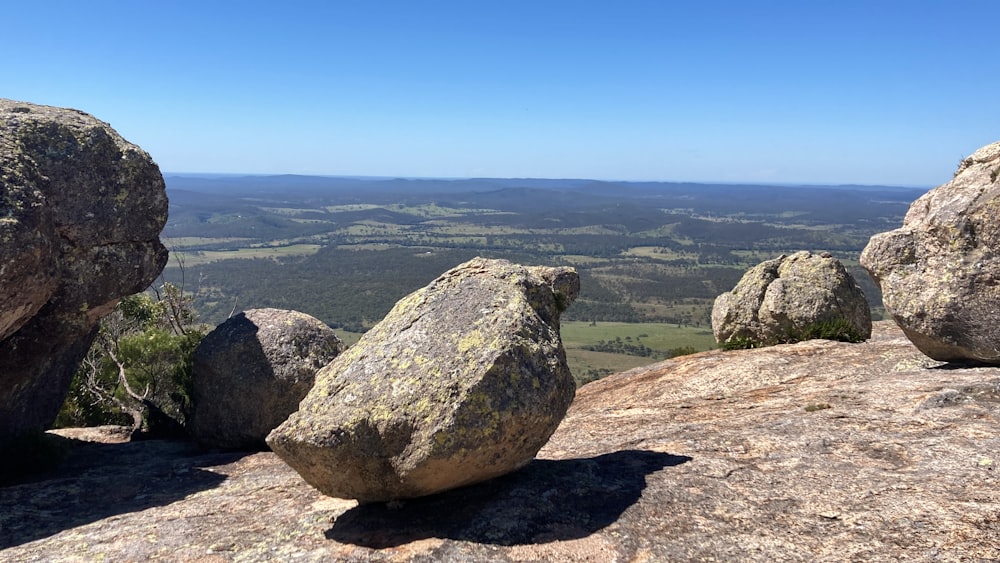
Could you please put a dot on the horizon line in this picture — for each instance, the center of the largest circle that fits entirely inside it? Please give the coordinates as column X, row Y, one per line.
column 209, row 175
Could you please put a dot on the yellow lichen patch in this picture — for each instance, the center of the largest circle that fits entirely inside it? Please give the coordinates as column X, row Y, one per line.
column 470, row 341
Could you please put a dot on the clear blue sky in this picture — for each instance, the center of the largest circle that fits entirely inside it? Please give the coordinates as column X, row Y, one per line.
column 845, row 91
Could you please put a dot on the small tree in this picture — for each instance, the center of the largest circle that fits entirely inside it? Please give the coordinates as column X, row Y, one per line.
column 138, row 370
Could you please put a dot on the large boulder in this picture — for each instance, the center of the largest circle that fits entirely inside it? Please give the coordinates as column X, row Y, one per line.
column 81, row 210
column 939, row 271
column 251, row 372
column 463, row 381
column 792, row 298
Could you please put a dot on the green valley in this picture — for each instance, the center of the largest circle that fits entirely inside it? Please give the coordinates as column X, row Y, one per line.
column 652, row 257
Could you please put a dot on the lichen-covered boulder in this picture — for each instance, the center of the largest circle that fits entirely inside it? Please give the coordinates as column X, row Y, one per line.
column 463, row 381
column 940, row 272
column 250, row 373
column 81, row 211
column 792, row 298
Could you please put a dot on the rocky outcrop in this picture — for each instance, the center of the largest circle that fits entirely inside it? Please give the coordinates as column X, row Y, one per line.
column 792, row 298
column 81, row 210
column 251, row 372
column 816, row 451
column 939, row 271
column 464, row 380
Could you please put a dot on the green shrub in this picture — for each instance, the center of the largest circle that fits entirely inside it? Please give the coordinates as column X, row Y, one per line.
column 740, row 343
column 681, row 351
column 138, row 370
column 592, row 374
column 839, row 329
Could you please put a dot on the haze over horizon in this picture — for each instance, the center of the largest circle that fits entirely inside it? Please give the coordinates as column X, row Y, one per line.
column 168, row 174
column 769, row 92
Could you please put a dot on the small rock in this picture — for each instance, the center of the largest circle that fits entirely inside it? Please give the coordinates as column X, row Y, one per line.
column 251, row 372
column 792, row 298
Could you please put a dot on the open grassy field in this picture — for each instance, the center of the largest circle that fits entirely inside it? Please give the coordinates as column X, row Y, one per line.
column 661, row 338
column 348, row 337
column 657, row 336
column 586, row 365
column 180, row 243
column 196, row 258
column 659, row 253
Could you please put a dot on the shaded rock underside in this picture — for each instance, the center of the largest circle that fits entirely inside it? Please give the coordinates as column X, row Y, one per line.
column 813, row 451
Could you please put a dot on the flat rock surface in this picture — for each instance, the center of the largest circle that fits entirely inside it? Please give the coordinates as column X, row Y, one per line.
column 817, row 451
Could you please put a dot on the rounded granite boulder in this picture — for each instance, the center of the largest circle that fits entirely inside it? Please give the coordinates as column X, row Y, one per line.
column 251, row 372
column 789, row 299
column 940, row 272
column 464, row 380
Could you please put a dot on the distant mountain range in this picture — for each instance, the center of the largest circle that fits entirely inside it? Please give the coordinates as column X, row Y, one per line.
column 303, row 184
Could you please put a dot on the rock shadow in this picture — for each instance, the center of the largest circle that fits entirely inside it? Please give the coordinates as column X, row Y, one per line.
column 548, row 500
column 98, row 480
column 963, row 364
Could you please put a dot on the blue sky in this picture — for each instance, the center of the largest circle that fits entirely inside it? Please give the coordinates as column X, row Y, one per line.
column 845, row 91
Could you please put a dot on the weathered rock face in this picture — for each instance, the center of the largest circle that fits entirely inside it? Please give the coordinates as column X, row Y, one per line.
column 81, row 210
column 939, row 273
column 816, row 451
column 463, row 381
column 786, row 299
column 251, row 372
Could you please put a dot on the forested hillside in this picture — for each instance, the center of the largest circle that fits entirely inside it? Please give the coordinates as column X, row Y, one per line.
column 346, row 249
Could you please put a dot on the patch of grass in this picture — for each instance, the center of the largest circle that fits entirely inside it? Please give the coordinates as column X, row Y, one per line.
column 659, row 253
column 206, row 256
column 347, row 337
column 451, row 228
column 657, row 336
column 287, row 211
column 580, row 260
column 350, row 207
column 435, row 210
column 180, row 243
column 588, row 365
